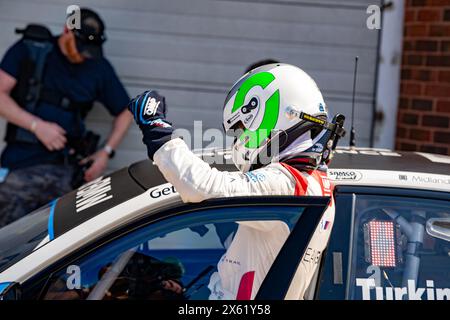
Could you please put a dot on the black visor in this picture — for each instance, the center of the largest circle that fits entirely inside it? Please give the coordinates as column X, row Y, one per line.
column 90, row 37
column 88, row 49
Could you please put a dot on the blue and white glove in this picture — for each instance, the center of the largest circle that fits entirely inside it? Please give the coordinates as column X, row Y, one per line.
column 149, row 111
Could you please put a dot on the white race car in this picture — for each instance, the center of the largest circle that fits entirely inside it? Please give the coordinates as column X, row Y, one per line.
column 123, row 235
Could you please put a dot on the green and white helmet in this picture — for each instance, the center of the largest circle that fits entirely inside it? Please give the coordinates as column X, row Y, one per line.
column 265, row 105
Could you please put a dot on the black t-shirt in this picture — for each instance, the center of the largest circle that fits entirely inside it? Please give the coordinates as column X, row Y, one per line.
column 89, row 81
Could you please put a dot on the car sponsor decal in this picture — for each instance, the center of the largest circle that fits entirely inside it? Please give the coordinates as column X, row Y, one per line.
column 390, row 161
column 386, row 178
column 163, row 190
column 93, row 199
column 343, row 175
column 93, row 193
column 370, row 291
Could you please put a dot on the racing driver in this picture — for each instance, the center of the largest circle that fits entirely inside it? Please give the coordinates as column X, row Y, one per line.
column 275, row 104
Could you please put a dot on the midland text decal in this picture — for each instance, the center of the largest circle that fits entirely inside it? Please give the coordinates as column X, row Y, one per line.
column 410, row 292
column 425, row 179
column 93, row 193
column 392, row 178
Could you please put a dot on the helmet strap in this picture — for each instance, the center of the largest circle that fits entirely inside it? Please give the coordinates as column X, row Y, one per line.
column 319, row 154
column 283, row 138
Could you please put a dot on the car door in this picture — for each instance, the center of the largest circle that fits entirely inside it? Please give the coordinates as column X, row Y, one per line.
column 175, row 254
column 388, row 244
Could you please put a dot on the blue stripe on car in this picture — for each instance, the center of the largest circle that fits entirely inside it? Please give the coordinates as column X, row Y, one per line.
column 51, row 233
column 3, row 286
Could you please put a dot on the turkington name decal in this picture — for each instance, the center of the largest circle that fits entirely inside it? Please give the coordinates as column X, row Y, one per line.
column 410, row 292
column 93, row 193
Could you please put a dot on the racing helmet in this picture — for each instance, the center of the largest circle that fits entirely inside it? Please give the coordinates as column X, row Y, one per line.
column 275, row 105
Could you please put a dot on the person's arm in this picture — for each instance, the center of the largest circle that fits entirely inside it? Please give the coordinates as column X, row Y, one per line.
column 8, row 107
column 50, row 134
column 100, row 158
column 120, row 127
column 195, row 180
column 114, row 97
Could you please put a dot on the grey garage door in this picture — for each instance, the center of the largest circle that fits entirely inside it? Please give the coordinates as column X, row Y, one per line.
column 193, row 50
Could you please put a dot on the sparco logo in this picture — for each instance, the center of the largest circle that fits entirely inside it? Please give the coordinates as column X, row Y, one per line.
column 159, row 192
column 345, row 175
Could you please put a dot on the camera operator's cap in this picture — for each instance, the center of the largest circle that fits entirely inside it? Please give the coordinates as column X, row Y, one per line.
column 90, row 36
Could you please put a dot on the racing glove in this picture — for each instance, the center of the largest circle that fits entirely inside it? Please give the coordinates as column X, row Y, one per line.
column 149, row 111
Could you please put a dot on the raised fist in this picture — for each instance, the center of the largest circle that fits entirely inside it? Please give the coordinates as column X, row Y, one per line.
column 149, row 108
column 149, row 111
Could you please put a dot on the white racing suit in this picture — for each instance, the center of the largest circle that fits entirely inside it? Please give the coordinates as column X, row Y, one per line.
column 255, row 246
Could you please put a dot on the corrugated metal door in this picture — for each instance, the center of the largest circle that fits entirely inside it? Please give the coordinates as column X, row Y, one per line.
column 193, row 50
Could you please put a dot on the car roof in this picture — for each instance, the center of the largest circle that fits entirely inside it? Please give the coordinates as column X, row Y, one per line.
column 366, row 167
column 367, row 160
column 384, row 159
column 385, row 168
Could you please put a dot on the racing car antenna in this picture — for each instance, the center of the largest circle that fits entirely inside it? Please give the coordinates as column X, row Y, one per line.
column 352, row 132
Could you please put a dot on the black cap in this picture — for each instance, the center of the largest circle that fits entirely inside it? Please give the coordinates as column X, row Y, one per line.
column 90, row 36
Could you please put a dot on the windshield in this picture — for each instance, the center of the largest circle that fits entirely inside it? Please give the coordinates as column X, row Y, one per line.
column 21, row 237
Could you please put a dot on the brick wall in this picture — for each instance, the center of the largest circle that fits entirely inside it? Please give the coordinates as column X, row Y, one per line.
column 423, row 122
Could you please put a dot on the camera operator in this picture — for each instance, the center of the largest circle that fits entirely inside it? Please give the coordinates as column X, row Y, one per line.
column 45, row 97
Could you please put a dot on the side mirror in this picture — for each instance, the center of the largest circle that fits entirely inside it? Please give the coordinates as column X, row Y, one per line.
column 439, row 228
column 10, row 291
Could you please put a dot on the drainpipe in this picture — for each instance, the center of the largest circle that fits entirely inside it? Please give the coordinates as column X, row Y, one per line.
column 387, row 82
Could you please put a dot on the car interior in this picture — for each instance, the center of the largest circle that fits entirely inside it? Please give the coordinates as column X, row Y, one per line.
column 394, row 241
